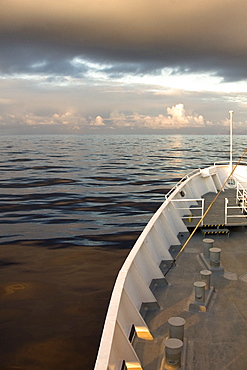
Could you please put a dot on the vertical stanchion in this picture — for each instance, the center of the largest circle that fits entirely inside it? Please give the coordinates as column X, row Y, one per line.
column 231, row 124
column 226, row 203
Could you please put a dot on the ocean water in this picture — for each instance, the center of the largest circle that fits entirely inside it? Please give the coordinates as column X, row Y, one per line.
column 71, row 208
column 78, row 188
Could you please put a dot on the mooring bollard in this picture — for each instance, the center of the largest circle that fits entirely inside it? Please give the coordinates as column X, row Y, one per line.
column 215, row 257
column 176, row 327
column 206, row 278
column 199, row 291
column 173, row 352
column 207, row 244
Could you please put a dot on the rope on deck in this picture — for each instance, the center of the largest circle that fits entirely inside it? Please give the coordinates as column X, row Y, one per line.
column 205, row 214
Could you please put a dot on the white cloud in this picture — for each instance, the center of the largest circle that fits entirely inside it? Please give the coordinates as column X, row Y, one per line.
column 64, row 118
column 57, row 119
column 98, row 121
column 177, row 114
column 118, row 119
column 176, row 118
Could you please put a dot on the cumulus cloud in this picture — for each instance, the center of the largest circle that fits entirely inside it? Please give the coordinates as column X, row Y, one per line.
column 176, row 118
column 27, row 103
column 98, row 121
column 56, row 120
column 119, row 119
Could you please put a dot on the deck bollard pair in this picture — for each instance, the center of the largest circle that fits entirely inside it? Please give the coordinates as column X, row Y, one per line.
column 214, row 256
column 174, row 344
column 203, row 292
column 199, row 291
column 211, row 253
column 207, row 244
column 206, row 278
column 201, row 286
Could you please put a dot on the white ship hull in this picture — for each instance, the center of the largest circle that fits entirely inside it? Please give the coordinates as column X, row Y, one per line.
column 164, row 234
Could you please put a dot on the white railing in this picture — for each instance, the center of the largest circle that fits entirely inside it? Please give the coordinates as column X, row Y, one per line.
column 183, row 179
column 190, row 208
column 242, row 197
column 241, row 201
column 199, row 170
column 227, row 163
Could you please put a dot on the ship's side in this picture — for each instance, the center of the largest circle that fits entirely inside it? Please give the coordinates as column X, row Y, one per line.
column 133, row 295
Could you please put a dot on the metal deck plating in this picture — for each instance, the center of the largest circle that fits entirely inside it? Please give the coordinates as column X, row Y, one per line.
column 216, row 338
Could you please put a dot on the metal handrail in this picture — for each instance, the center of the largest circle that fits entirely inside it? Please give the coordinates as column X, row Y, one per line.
column 206, row 212
column 186, row 177
column 241, row 196
column 198, row 207
column 227, row 163
column 198, row 170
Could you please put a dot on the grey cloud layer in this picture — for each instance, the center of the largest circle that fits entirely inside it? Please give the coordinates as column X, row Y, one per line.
column 28, row 108
column 140, row 36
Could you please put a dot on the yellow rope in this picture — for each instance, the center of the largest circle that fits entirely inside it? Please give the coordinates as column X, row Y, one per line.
column 206, row 212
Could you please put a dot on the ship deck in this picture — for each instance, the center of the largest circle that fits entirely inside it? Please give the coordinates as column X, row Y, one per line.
column 216, row 215
column 216, row 338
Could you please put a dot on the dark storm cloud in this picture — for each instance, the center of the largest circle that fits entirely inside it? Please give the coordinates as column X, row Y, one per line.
column 138, row 37
column 22, row 57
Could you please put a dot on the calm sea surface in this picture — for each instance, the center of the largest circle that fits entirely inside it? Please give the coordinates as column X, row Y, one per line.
column 73, row 188
column 71, row 207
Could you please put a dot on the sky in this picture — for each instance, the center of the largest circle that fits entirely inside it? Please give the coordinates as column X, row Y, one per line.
column 123, row 66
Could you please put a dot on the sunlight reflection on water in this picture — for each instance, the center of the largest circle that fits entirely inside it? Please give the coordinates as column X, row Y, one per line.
column 87, row 184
